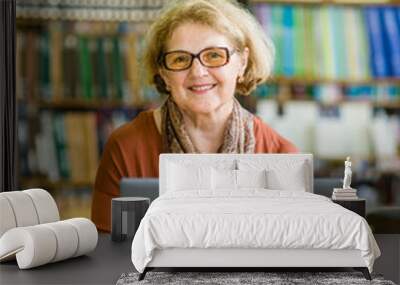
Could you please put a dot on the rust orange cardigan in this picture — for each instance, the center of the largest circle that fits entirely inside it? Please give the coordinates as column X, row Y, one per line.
column 133, row 149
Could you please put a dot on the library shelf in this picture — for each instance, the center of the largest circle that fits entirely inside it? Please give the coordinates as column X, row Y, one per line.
column 395, row 105
column 105, row 24
column 329, row 2
column 78, row 104
column 344, row 82
column 113, row 11
column 34, row 181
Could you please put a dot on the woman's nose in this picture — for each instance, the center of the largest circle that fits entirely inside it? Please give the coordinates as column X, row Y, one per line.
column 197, row 69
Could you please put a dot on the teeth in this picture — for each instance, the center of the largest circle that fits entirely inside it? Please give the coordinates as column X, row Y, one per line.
column 201, row 88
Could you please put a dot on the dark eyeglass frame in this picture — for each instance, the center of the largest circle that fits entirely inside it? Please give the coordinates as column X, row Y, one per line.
column 228, row 52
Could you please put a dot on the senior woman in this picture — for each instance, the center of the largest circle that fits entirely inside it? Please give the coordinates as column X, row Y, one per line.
column 200, row 53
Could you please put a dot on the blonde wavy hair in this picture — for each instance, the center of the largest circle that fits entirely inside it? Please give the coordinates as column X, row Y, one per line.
column 225, row 16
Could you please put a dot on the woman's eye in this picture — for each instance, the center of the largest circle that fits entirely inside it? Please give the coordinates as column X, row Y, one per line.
column 214, row 55
column 180, row 59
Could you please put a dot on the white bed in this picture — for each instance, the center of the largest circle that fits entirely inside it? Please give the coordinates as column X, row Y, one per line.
column 268, row 217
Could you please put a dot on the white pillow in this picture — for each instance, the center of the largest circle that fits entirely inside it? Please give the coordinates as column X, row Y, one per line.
column 281, row 174
column 293, row 179
column 183, row 177
column 224, row 179
column 251, row 178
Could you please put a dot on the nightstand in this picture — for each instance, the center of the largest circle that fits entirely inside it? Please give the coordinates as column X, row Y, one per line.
column 356, row 205
column 126, row 214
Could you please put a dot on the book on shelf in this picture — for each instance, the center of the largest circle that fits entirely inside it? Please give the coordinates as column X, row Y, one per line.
column 332, row 132
column 385, row 132
column 46, row 148
column 288, row 51
column 336, row 197
column 109, row 10
column 337, row 42
column 96, row 67
column 344, row 191
column 60, row 141
column 55, row 62
column 344, row 194
column 132, row 66
column 102, row 81
column 391, row 27
column 23, row 140
column 67, row 145
column 299, row 38
column 356, row 44
column 31, row 65
column 332, row 41
column 85, row 62
column 378, row 54
column 44, row 62
column 70, row 59
column 85, row 68
column 379, row 94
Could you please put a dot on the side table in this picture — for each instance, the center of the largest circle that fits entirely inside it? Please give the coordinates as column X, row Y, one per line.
column 126, row 214
column 356, row 205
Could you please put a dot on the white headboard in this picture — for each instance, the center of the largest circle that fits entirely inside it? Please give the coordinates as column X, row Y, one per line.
column 231, row 161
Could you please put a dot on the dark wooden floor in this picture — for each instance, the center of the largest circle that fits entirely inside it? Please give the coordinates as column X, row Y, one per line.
column 106, row 264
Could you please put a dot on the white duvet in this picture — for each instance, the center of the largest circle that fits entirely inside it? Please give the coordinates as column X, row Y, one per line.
column 250, row 219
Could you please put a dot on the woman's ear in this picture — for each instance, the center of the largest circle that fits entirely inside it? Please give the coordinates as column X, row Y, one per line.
column 164, row 77
column 160, row 83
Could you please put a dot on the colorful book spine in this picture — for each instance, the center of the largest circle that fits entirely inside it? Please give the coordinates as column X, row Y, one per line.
column 363, row 46
column 288, row 40
column 44, row 68
column 379, row 65
column 102, row 68
column 339, row 42
column 117, row 67
column 108, row 54
column 328, row 50
column 299, row 47
column 334, row 42
column 56, row 67
column 263, row 13
column 71, row 67
column 61, row 145
column 91, row 151
column 277, row 37
column 32, row 66
column 391, row 26
column 317, row 33
column 85, row 68
column 132, row 67
column 94, row 68
column 309, row 46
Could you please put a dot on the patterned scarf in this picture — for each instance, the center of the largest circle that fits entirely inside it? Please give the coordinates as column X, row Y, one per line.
column 238, row 136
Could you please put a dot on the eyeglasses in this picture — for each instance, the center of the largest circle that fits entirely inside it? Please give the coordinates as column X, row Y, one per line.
column 209, row 57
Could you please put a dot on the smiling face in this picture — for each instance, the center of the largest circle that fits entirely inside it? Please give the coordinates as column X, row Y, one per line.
column 200, row 89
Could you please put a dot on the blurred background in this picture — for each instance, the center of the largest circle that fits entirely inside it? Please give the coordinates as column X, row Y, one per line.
column 335, row 91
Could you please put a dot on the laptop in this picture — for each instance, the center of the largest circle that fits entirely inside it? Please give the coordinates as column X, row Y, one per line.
column 139, row 187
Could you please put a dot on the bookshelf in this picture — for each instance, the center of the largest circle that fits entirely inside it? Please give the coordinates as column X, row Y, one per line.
column 76, row 104
column 78, row 79
column 329, row 2
column 325, row 92
column 318, row 80
column 100, row 10
column 79, row 61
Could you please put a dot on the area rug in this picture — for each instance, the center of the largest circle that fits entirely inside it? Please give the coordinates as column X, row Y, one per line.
column 243, row 278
